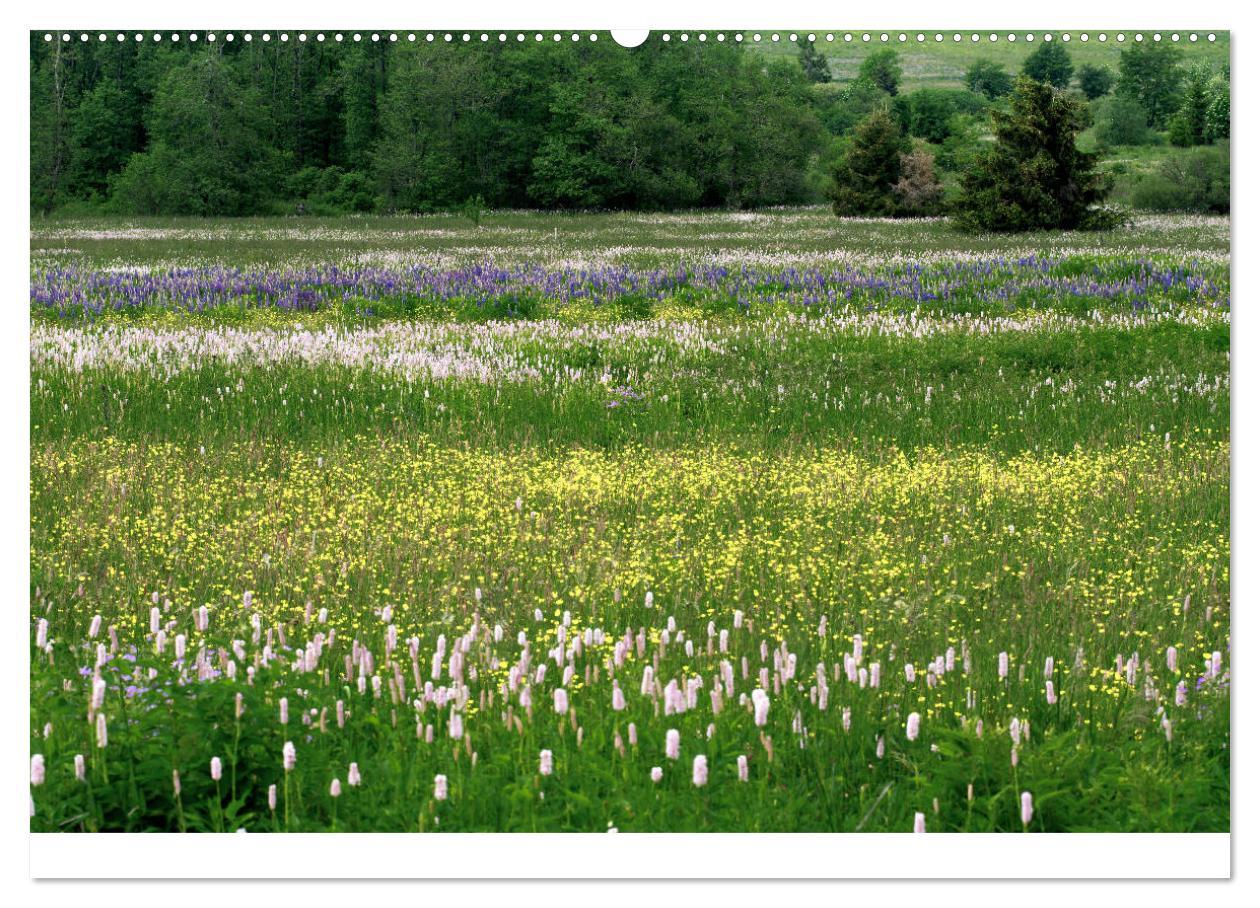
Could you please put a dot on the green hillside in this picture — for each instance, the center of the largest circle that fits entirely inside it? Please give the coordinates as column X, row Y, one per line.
column 933, row 64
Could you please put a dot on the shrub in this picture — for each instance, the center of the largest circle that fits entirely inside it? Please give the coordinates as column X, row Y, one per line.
column 1122, row 121
column 329, row 191
column 852, row 105
column 918, row 191
column 987, row 78
column 928, row 113
column 964, row 142
column 1196, row 180
column 1188, row 125
column 1095, row 81
column 1216, row 125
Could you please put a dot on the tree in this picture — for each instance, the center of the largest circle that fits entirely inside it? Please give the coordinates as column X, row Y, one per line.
column 987, row 78
column 813, row 63
column 1095, row 81
column 918, row 191
column 1216, row 124
column 50, row 130
column 357, row 87
column 1151, row 74
column 206, row 153
column 103, row 136
column 1034, row 177
column 437, row 119
column 864, row 179
column 1049, row 63
column 1188, row 125
column 883, row 69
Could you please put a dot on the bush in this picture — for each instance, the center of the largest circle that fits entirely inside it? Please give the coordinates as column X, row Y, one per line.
column 329, row 191
column 852, row 105
column 1122, row 121
column 964, row 142
column 1216, row 125
column 1189, row 125
column 984, row 77
column 918, row 191
column 1195, row 181
column 1095, row 81
column 928, row 113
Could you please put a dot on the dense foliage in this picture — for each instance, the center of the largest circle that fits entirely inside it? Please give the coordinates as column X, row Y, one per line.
column 247, row 128
column 1151, row 74
column 1035, row 177
column 325, row 127
column 1051, row 63
column 989, row 79
column 1196, row 180
column 1095, row 81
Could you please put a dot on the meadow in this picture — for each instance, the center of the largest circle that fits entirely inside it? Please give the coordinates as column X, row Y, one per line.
column 743, row 521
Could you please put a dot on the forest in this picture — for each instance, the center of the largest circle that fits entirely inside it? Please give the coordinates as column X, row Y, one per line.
column 308, row 126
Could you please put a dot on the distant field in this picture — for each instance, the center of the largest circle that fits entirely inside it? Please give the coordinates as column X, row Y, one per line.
column 933, row 64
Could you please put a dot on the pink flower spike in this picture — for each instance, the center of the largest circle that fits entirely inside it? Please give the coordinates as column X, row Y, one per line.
column 700, row 771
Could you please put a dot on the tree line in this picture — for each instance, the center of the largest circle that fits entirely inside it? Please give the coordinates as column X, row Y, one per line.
column 251, row 127
column 241, row 128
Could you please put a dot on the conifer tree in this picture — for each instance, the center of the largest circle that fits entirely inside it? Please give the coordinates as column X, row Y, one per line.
column 813, row 63
column 1034, row 177
column 862, row 182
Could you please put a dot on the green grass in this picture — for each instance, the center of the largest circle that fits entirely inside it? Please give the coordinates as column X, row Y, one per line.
column 1009, row 469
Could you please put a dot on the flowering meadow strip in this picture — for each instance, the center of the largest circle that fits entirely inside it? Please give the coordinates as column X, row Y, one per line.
column 767, row 239
column 499, row 641
column 519, row 350
column 996, row 284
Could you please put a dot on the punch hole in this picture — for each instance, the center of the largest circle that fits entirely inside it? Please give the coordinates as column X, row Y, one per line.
column 629, row 37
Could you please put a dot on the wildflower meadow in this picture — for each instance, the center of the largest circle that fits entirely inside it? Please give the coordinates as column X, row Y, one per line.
column 729, row 521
